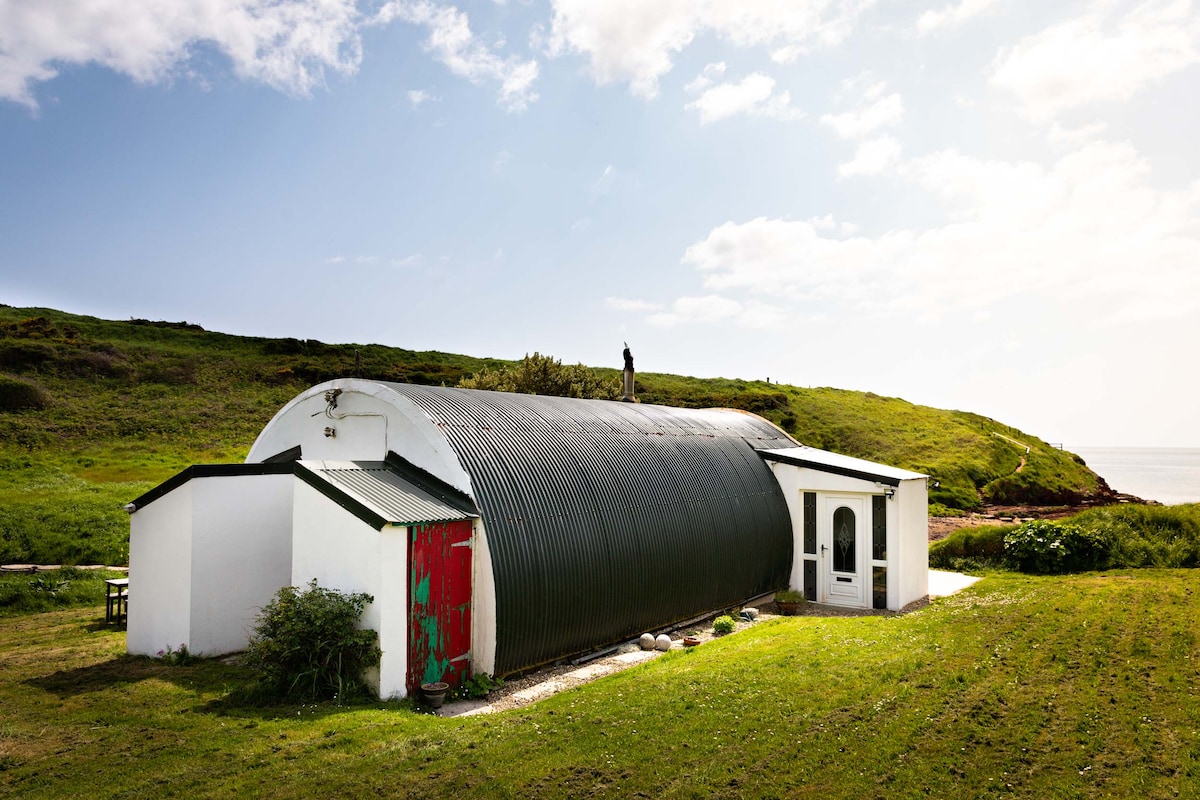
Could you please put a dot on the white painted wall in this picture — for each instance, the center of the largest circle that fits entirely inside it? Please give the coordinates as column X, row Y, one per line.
column 241, row 556
column 342, row 552
column 907, row 527
column 912, row 564
column 370, row 419
column 160, row 574
column 204, row 559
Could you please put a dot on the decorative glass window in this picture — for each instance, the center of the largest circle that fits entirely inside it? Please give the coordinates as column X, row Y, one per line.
column 878, row 528
column 810, row 523
column 844, row 544
column 879, row 587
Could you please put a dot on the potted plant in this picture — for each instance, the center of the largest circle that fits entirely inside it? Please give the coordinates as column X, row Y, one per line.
column 434, row 693
column 788, row 601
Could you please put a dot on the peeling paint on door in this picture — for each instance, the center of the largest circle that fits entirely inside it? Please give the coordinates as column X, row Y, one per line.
column 440, row 607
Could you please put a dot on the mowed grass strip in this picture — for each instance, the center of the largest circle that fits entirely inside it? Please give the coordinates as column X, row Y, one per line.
column 1063, row 687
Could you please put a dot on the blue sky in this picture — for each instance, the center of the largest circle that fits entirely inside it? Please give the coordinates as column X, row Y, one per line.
column 991, row 205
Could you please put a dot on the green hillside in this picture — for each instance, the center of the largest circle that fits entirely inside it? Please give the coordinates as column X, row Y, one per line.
column 94, row 412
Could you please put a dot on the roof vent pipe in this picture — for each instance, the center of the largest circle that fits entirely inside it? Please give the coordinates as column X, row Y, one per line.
column 627, row 378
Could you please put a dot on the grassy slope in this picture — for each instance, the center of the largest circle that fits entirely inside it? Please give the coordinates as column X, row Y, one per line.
column 1030, row 687
column 130, row 404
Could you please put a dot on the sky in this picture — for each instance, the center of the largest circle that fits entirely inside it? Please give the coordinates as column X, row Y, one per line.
column 986, row 205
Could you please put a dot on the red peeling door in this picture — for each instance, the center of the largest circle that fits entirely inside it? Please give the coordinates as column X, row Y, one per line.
column 439, row 583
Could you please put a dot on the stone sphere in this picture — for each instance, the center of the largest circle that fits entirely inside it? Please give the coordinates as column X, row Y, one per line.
column 663, row 642
column 646, row 641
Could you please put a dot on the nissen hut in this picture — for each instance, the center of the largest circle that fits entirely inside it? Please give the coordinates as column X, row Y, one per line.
column 497, row 531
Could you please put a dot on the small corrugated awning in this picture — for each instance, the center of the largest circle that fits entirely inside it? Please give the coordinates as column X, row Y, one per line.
column 380, row 494
column 838, row 464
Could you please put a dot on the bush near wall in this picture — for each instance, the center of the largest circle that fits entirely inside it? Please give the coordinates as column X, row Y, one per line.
column 308, row 645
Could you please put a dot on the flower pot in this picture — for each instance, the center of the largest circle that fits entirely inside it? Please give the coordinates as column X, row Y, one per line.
column 434, row 694
column 691, row 641
column 788, row 608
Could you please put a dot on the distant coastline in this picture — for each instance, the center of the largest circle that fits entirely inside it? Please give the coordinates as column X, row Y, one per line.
column 1168, row 475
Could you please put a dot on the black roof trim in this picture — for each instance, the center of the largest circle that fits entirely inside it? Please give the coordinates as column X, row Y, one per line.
column 432, row 484
column 209, row 471
column 344, row 500
column 291, row 454
column 817, row 465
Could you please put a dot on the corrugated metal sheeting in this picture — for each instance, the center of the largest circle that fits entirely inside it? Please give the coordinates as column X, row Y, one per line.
column 378, row 487
column 608, row 519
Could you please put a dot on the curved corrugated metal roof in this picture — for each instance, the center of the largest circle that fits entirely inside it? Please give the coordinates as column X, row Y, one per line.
column 607, row 519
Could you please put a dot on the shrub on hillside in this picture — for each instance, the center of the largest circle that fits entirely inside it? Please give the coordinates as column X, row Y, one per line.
column 308, row 645
column 544, row 375
column 20, row 354
column 21, row 395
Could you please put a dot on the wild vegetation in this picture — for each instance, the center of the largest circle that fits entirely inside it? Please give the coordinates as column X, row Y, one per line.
column 23, row 593
column 95, row 412
column 1113, row 537
column 1022, row 686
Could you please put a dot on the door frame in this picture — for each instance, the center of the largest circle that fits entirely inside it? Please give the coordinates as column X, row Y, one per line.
column 440, row 599
column 852, row 590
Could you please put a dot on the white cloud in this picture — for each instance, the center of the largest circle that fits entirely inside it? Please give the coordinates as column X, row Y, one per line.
column 755, row 94
column 708, row 309
column 288, row 45
column 1088, row 236
column 1098, row 57
column 872, row 157
column 710, row 73
column 604, row 184
column 635, row 41
column 419, row 97
column 408, row 261
column 451, row 42
column 623, row 304
column 874, row 112
column 952, row 16
column 1074, row 137
column 715, row 309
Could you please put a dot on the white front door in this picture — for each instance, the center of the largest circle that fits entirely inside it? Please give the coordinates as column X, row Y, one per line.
column 842, row 531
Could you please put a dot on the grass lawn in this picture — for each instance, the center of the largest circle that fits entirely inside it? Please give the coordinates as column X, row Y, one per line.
column 1080, row 686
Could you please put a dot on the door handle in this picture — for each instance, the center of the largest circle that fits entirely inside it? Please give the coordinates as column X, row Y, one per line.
column 822, row 550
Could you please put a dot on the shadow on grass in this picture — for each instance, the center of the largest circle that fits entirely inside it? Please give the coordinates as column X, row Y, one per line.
column 237, row 694
column 202, row 676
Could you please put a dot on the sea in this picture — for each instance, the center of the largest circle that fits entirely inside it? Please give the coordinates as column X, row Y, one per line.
column 1170, row 475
